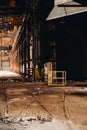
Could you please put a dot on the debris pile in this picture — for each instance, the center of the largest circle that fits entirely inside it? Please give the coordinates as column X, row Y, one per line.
column 38, row 118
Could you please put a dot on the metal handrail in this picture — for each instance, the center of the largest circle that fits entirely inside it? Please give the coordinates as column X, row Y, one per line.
column 57, row 78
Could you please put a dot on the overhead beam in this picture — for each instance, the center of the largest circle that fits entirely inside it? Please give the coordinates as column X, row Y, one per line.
column 7, row 10
column 5, row 48
column 66, row 9
column 57, row 2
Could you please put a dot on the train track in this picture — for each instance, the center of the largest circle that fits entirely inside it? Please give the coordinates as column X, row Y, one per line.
column 35, row 100
column 69, row 122
column 27, row 108
column 66, row 114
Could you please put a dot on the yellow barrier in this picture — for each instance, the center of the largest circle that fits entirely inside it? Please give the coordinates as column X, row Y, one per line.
column 57, row 78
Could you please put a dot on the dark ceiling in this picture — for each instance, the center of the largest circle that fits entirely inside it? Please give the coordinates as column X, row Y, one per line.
column 83, row 2
column 8, row 7
column 11, row 12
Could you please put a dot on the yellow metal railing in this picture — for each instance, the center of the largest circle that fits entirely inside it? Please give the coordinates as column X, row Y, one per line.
column 57, row 78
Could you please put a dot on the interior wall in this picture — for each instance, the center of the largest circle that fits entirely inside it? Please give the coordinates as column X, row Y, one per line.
column 71, row 38
column 5, row 65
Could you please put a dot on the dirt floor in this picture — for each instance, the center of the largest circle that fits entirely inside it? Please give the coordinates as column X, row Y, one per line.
column 36, row 106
